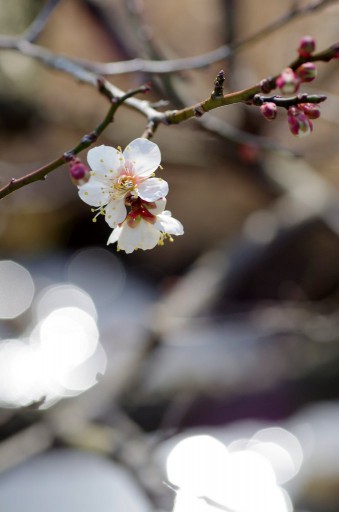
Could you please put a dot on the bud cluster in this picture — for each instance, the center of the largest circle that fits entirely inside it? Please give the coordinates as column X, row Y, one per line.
column 289, row 80
column 299, row 118
column 299, row 115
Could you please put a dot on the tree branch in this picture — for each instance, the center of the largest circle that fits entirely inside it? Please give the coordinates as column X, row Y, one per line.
column 154, row 118
column 86, row 141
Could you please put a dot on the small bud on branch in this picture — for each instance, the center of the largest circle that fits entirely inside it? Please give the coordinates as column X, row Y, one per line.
column 78, row 172
column 306, row 46
column 312, row 110
column 299, row 124
column 288, row 82
column 219, row 85
column 269, row 110
column 307, row 72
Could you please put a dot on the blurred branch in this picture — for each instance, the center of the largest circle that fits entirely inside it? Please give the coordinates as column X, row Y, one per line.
column 24, row 444
column 203, row 60
column 223, row 129
column 37, row 26
column 310, row 8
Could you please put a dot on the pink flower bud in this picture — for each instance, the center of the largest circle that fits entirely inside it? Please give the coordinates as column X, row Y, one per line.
column 78, row 172
column 306, row 46
column 269, row 110
column 307, row 72
column 299, row 123
column 312, row 110
column 288, row 82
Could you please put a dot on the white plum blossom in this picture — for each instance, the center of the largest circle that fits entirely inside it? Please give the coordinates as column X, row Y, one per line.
column 119, row 175
column 146, row 226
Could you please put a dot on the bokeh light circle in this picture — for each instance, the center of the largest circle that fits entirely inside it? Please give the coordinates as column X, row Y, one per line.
column 16, row 289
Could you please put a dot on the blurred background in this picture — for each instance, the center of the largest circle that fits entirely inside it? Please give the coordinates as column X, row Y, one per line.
column 199, row 376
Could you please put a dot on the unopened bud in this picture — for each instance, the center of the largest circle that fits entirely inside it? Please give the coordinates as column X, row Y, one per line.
column 269, row 110
column 79, row 172
column 298, row 122
column 288, row 82
column 307, row 72
column 306, row 46
column 312, row 110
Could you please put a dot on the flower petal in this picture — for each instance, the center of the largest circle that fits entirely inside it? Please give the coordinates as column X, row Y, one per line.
column 114, row 237
column 167, row 224
column 115, row 212
column 158, row 207
column 104, row 161
column 153, row 189
column 142, row 236
column 145, row 156
column 94, row 193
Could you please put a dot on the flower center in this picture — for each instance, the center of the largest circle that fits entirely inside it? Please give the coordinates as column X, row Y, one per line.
column 124, row 184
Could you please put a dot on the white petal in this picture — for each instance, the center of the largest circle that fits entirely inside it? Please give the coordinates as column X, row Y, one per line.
column 114, row 237
column 144, row 155
column 143, row 236
column 159, row 206
column 94, row 193
column 115, row 212
column 147, row 236
column 153, row 189
column 104, row 161
column 167, row 224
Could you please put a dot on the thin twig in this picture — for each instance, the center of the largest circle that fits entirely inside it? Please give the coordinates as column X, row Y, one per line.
column 86, row 141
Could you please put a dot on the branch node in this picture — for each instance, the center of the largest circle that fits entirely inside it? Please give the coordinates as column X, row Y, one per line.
column 257, row 100
column 199, row 111
column 89, row 138
column 150, row 129
column 302, row 97
column 218, row 85
column 146, row 87
column 68, row 156
column 266, row 85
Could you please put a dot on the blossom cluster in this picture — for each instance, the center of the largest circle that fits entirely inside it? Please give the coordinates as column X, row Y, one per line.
column 298, row 116
column 123, row 188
